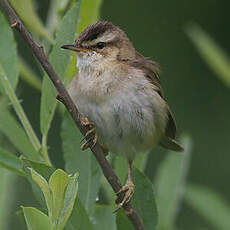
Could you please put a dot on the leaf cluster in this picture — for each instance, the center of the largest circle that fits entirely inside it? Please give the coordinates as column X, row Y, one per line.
column 77, row 196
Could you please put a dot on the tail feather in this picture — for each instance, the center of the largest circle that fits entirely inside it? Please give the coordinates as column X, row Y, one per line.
column 171, row 144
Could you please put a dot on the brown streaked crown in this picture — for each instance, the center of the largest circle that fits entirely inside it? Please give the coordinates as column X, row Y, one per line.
column 117, row 44
column 94, row 31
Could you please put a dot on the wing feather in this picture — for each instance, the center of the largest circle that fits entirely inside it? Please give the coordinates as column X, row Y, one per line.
column 152, row 70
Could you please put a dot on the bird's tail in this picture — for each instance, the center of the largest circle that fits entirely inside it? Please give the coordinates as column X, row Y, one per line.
column 171, row 144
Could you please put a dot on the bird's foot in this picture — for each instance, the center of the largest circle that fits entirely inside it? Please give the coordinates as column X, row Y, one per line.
column 85, row 122
column 124, row 194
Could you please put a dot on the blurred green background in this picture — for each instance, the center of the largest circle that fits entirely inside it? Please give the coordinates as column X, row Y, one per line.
column 197, row 96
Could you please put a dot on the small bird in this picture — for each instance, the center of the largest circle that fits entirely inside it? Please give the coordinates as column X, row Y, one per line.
column 118, row 92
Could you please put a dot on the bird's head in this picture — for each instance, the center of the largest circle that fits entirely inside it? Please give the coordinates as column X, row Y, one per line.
column 101, row 43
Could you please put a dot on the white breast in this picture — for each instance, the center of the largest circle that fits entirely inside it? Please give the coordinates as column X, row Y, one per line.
column 128, row 114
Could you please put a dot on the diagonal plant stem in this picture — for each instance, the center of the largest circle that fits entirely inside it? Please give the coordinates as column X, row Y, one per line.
column 64, row 97
column 21, row 114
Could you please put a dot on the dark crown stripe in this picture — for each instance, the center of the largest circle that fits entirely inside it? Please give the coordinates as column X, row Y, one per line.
column 92, row 32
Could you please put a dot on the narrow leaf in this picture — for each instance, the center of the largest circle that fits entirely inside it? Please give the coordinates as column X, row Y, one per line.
column 89, row 13
column 8, row 54
column 42, row 183
column 7, row 185
column 211, row 52
column 27, row 74
column 44, row 170
column 27, row 13
column 69, row 200
column 36, row 220
column 19, row 110
column 170, row 182
column 210, row 205
column 59, row 60
column 58, row 183
column 84, row 162
column 11, row 162
column 41, row 168
column 11, row 128
column 143, row 200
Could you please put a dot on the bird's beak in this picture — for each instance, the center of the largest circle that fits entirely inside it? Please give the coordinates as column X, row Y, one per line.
column 74, row 48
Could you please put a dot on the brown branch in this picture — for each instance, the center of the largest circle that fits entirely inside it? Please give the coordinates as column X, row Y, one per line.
column 67, row 101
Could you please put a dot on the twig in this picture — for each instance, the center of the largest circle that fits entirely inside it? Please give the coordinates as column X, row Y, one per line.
column 64, row 97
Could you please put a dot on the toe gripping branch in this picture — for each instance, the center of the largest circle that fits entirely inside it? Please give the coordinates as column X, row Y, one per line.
column 65, row 98
column 125, row 194
column 90, row 135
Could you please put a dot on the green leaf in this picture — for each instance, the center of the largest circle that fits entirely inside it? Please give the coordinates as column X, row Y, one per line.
column 121, row 167
column 27, row 74
column 213, row 55
column 59, row 60
column 89, row 13
column 42, row 183
column 64, row 190
column 11, row 162
column 123, row 223
column 69, row 200
column 170, row 183
column 7, row 185
column 79, row 218
column 55, row 13
column 8, row 54
column 19, row 111
column 60, row 193
column 41, row 168
column 210, row 205
column 143, row 200
column 27, row 13
column 36, row 220
column 11, row 128
column 71, row 70
column 58, row 183
column 103, row 217
column 82, row 161
column 21, row 218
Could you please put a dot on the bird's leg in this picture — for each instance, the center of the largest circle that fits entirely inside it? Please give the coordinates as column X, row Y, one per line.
column 126, row 192
column 86, row 122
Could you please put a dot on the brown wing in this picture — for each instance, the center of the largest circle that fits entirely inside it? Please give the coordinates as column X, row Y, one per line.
column 152, row 70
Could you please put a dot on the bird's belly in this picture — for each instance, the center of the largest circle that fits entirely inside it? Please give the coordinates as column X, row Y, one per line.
column 124, row 125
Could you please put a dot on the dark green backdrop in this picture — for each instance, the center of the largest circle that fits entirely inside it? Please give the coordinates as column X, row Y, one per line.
column 197, row 97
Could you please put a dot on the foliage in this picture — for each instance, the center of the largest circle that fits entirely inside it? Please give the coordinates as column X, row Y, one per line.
column 206, row 202
column 210, row 205
column 66, row 200
column 211, row 52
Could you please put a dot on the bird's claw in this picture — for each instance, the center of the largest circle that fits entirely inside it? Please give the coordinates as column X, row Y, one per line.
column 124, row 194
column 86, row 144
column 85, row 122
column 92, row 130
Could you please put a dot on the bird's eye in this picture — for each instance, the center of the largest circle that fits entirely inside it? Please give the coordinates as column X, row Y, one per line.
column 100, row 45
